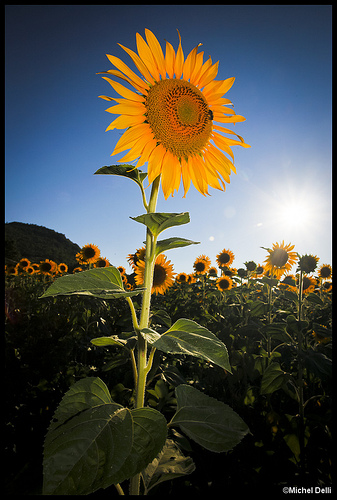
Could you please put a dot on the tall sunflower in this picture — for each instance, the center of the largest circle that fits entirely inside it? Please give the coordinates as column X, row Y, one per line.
column 202, row 264
column 163, row 275
column 280, row 259
column 224, row 283
column 89, row 254
column 171, row 117
column 325, row 271
column 225, row 258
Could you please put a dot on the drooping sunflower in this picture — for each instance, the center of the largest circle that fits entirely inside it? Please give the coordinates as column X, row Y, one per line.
column 308, row 263
column 202, row 264
column 102, row 262
column 88, row 254
column 309, row 284
column 325, row 271
column 134, row 258
column 225, row 258
column 163, row 274
column 224, row 283
column 280, row 259
column 171, row 117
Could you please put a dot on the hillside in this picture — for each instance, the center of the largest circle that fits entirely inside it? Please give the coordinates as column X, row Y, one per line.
column 37, row 243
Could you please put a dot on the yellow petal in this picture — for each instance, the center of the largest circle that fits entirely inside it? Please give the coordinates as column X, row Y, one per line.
column 139, row 64
column 207, row 64
column 209, row 75
column 146, row 56
column 222, row 143
column 185, row 176
column 130, row 137
column 197, row 67
column 156, row 51
column 126, row 121
column 149, row 147
column 168, row 174
column 169, row 59
column 124, row 92
column 137, row 82
column 219, row 117
column 213, row 92
column 179, row 60
column 134, row 152
column 128, row 108
column 189, row 64
column 155, row 162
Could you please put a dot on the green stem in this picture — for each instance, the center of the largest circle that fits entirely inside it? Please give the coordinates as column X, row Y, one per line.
column 143, row 364
column 300, row 372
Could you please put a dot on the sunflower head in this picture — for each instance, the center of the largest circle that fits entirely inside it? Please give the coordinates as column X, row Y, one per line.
column 225, row 258
column 134, row 258
column 325, row 271
column 280, row 259
column 309, row 284
column 62, row 268
column 307, row 263
column 174, row 117
column 251, row 266
column 47, row 267
column 202, row 264
column 224, row 283
column 163, row 274
column 88, row 254
column 24, row 263
column 102, row 262
column 181, row 278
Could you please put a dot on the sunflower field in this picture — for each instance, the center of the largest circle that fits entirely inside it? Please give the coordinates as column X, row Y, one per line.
column 275, row 325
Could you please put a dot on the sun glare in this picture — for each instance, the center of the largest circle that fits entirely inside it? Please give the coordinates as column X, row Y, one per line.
column 295, row 214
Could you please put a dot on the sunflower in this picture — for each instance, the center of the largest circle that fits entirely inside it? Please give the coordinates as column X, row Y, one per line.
column 11, row 270
column 47, row 267
column 24, row 263
column 212, row 272
column 77, row 270
column 327, row 286
column 169, row 117
column 122, row 270
column 88, row 254
column 289, row 282
column 224, row 283
column 134, row 258
column 280, row 259
column 30, row 270
column 308, row 263
column 225, row 258
column 181, row 278
column 162, row 274
column 309, row 284
column 202, row 264
column 62, row 268
column 325, row 271
column 102, row 262
column 191, row 279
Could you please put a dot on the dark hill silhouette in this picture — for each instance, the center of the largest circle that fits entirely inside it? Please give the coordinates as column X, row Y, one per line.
column 37, row 243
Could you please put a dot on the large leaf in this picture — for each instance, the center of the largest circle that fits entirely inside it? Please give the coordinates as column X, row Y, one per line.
column 273, row 378
column 149, row 436
column 209, row 422
column 125, row 171
column 158, row 222
column 169, row 464
column 187, row 337
column 93, row 442
column 169, row 243
column 104, row 283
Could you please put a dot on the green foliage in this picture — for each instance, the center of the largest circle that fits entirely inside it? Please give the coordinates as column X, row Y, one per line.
column 128, row 171
column 187, row 337
column 211, row 423
column 157, row 222
column 93, row 442
column 103, row 283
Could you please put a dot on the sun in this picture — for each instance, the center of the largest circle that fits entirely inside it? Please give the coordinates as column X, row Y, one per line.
column 295, row 213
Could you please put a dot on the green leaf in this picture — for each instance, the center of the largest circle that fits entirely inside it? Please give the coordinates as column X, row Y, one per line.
column 211, row 423
column 93, row 442
column 89, row 438
column 273, row 379
column 106, row 341
column 318, row 364
column 169, row 243
column 150, row 335
column 187, row 337
column 294, row 326
column 257, row 308
column 169, row 464
column 158, row 222
column 149, row 436
column 314, row 299
column 125, row 171
column 104, row 283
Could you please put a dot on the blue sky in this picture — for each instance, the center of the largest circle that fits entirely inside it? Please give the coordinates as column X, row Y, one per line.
column 55, row 135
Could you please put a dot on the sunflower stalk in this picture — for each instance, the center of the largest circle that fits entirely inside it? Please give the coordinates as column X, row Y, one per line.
column 144, row 364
